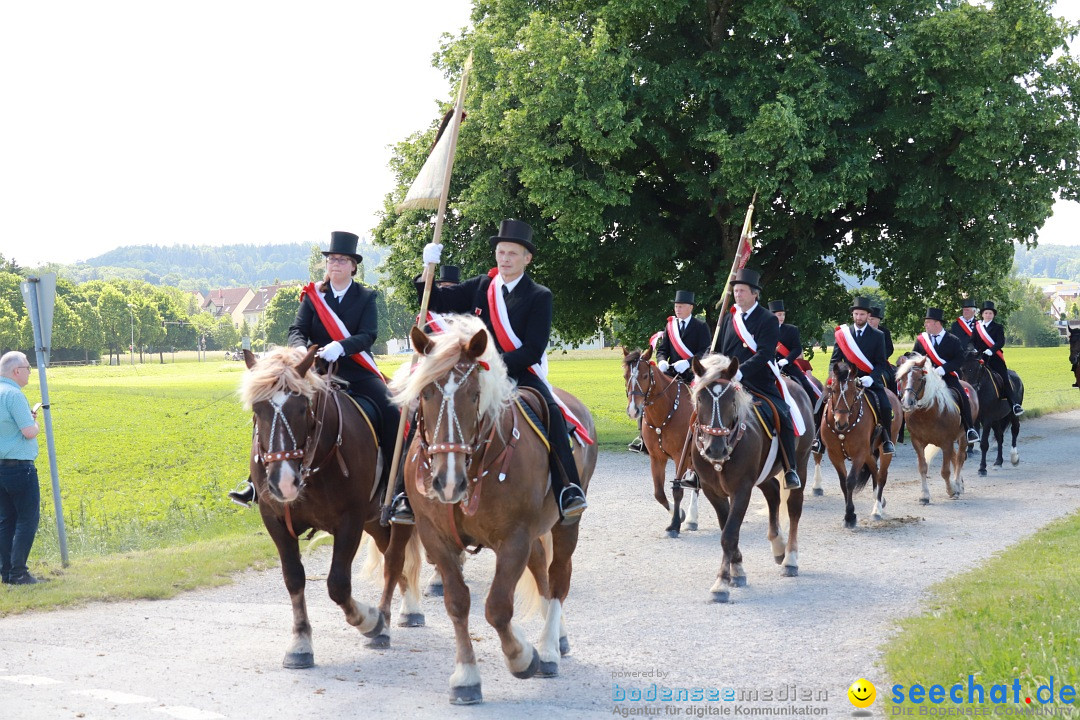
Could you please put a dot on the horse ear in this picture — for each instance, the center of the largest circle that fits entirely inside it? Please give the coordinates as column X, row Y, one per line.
column 733, row 367
column 477, row 344
column 420, row 341
column 695, row 363
column 305, row 364
column 647, row 354
column 249, row 358
column 625, row 352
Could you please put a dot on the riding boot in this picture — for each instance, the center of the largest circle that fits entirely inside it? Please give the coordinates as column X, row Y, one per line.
column 787, row 447
column 1010, row 394
column 637, row 444
column 401, row 512
column 887, row 447
column 246, row 496
column 965, row 418
column 569, row 496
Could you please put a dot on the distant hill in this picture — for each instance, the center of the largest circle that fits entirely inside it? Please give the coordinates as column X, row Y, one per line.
column 1050, row 261
column 201, row 267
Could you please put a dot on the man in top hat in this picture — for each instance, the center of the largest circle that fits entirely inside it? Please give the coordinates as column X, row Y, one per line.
column 877, row 314
column 946, row 352
column 325, row 308
column 863, row 348
column 523, row 305
column 449, row 275
column 963, row 327
column 750, row 334
column 789, row 350
column 988, row 340
column 684, row 338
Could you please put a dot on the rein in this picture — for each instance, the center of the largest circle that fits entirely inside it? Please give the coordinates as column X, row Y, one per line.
column 737, row 427
column 830, row 422
column 633, row 382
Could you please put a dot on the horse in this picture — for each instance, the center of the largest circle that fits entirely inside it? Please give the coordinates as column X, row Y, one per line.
column 1074, row 354
column 932, row 416
column 995, row 414
column 663, row 403
column 314, row 465
column 477, row 474
column 849, row 433
column 733, row 454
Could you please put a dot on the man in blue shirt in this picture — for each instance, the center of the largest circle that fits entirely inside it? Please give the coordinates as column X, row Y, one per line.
column 20, row 496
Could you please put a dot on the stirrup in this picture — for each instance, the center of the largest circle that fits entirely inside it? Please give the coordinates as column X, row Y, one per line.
column 245, row 496
column 401, row 513
column 1017, row 410
column 973, row 435
column 690, row 480
column 636, row 445
column 791, row 480
column 571, row 508
column 887, row 447
column 816, row 448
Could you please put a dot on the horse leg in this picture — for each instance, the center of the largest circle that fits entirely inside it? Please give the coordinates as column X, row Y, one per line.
column 403, row 554
column 677, row 513
column 949, row 456
column 465, row 680
column 548, row 647
column 794, row 502
column 984, row 446
column 879, row 487
column 999, row 436
column 563, row 542
column 818, row 489
column 1014, row 456
column 719, row 502
column 366, row 618
column 774, row 535
column 521, row 657
column 958, row 480
column 924, row 468
column 300, row 653
column 658, row 468
column 837, row 459
column 731, row 571
column 692, row 511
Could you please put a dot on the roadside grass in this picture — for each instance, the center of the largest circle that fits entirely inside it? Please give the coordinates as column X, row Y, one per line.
column 146, row 453
column 1015, row 617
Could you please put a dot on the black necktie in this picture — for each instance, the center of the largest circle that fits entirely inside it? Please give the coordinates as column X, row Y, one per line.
column 744, row 315
column 936, row 338
column 858, row 333
column 682, row 327
column 506, row 292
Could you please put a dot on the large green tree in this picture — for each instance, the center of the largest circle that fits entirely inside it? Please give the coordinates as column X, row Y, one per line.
column 914, row 140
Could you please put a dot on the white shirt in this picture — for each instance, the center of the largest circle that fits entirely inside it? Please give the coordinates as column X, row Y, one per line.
column 746, row 313
column 338, row 294
column 513, row 283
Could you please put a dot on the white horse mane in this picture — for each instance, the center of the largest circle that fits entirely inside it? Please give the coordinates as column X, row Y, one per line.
column 715, row 365
column 276, row 372
column 936, row 392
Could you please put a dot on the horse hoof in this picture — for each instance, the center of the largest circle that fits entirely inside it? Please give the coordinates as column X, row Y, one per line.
column 875, row 517
column 564, row 646
column 466, row 695
column 818, row 491
column 779, row 559
column 982, row 472
column 721, row 596
column 411, row 620
column 789, row 571
column 738, row 581
column 379, row 642
column 673, row 533
column 298, row 661
column 691, row 526
column 924, row 501
column 849, row 524
column 531, row 670
column 377, row 630
column 434, row 591
column 548, row 670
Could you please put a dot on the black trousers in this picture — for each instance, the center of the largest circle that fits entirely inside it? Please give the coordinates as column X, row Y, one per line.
column 787, row 428
column 562, row 454
column 374, row 390
column 998, row 365
column 884, row 407
column 953, row 383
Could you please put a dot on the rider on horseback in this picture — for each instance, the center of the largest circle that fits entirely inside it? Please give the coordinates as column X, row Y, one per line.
column 988, row 340
column 946, row 352
column 963, row 327
column 863, row 348
column 522, row 310
column 877, row 313
column 789, row 352
column 751, row 333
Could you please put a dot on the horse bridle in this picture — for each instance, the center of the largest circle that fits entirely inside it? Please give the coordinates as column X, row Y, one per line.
column 305, row 453
column 918, row 402
column 738, row 427
column 847, row 409
column 633, row 382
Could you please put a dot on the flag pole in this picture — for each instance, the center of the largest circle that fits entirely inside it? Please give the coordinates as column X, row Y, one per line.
column 429, row 274
column 741, row 254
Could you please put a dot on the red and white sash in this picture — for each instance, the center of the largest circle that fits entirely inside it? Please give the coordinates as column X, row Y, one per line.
column 676, row 338
column 336, row 328
column 964, row 324
column 989, row 341
column 436, row 322
column 846, row 342
column 508, row 340
column 655, row 339
column 782, row 350
column 747, row 337
column 931, row 352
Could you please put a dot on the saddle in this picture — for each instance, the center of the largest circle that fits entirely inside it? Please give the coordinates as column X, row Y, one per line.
column 767, row 414
column 534, row 408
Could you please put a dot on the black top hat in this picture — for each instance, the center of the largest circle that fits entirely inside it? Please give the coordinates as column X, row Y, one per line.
column 777, row 306
column 989, row 305
column 344, row 243
column 877, row 312
column 968, row 302
column 684, row 296
column 449, row 274
column 514, row 231
column 746, row 276
column 861, row 303
column 934, row 314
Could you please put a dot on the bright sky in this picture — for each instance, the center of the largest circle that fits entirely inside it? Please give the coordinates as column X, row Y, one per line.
column 208, row 122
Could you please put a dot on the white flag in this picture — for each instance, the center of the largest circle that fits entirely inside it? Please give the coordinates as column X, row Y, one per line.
column 427, row 188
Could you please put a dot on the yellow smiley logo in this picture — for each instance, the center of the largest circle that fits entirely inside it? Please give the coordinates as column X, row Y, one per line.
column 862, row 693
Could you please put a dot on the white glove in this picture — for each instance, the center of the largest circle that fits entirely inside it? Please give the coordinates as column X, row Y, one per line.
column 987, row 352
column 781, row 362
column 940, row 371
column 432, row 253
column 332, row 352
column 866, row 381
column 663, row 365
column 681, row 366
column 738, row 376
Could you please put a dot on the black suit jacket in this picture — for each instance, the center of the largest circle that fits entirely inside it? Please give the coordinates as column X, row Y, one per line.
column 889, row 349
column 357, row 310
column 872, row 344
column 996, row 333
column 790, row 339
column 949, row 349
column 696, row 338
column 756, row 373
column 961, row 335
column 529, row 308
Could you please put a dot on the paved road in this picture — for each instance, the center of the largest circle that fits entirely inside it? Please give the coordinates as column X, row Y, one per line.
column 639, row 613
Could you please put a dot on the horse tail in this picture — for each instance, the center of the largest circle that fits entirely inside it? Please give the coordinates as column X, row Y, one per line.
column 528, row 600
column 861, row 478
column 411, row 569
column 930, row 452
column 373, row 560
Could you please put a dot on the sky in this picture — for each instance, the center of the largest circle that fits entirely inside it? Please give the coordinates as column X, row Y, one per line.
column 211, row 122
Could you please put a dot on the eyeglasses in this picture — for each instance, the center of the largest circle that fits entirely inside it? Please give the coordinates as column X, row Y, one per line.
column 337, row 260
column 22, row 367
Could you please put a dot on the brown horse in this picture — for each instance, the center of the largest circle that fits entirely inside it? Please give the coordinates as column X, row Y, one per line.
column 933, row 419
column 733, row 454
column 1074, row 354
column 849, row 434
column 313, row 462
column 477, row 474
column 663, row 403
